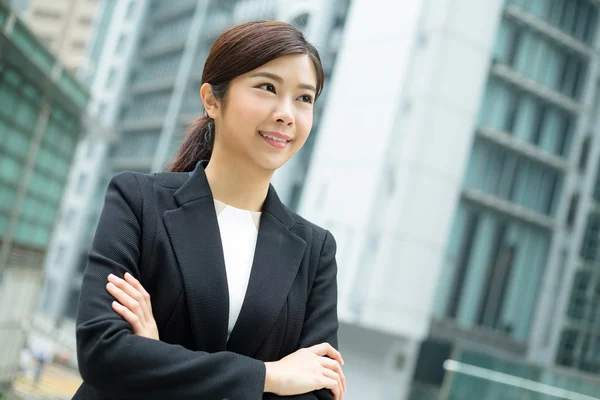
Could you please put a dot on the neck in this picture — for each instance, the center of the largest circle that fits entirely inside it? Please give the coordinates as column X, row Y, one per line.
column 237, row 184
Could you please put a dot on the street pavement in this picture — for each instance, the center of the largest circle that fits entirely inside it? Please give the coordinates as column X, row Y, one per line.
column 57, row 383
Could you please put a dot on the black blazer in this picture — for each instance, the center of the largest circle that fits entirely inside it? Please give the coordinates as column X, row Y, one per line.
column 162, row 228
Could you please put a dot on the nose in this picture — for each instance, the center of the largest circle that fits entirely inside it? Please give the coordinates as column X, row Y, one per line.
column 284, row 113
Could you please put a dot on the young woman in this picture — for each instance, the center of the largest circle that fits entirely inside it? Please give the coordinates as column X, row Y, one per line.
column 201, row 284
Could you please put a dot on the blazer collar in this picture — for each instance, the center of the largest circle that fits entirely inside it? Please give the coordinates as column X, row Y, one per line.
column 194, row 233
column 197, row 187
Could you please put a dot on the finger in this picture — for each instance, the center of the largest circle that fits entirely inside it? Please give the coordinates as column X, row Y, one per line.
column 125, row 300
column 333, row 375
column 137, row 285
column 133, row 293
column 331, row 384
column 334, row 366
column 128, row 316
column 325, row 349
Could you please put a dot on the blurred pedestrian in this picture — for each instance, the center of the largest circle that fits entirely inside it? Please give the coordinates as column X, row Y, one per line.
column 40, row 362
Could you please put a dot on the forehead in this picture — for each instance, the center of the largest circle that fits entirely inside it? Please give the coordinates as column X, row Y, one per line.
column 295, row 68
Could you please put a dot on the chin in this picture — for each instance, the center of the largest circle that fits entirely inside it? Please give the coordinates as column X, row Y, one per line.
column 272, row 163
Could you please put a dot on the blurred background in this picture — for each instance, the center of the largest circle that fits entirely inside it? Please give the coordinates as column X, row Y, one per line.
column 455, row 156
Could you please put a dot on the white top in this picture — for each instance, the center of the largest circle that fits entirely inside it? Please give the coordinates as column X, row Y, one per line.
column 239, row 231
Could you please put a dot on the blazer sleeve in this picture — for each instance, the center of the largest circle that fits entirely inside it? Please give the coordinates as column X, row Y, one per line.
column 114, row 360
column 321, row 321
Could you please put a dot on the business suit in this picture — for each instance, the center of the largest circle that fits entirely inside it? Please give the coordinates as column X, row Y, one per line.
column 163, row 229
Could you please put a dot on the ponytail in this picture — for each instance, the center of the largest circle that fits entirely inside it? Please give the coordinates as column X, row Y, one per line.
column 198, row 145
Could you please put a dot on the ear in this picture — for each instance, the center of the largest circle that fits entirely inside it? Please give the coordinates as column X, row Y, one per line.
column 211, row 104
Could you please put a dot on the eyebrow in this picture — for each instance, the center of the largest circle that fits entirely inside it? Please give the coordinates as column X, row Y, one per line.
column 279, row 79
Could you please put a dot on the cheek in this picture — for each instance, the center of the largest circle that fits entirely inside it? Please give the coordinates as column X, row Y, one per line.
column 243, row 113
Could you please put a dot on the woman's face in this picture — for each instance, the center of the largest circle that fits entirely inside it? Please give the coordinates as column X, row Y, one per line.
column 268, row 112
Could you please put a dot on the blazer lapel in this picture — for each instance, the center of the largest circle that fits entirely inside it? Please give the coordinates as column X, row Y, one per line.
column 277, row 257
column 194, row 232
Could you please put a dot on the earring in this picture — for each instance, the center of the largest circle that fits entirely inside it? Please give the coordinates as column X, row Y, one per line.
column 208, row 133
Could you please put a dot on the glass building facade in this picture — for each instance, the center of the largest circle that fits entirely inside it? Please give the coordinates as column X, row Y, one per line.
column 579, row 345
column 513, row 186
column 42, row 108
column 474, row 375
column 39, row 121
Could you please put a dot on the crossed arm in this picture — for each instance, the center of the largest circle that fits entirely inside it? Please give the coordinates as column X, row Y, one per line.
column 116, row 360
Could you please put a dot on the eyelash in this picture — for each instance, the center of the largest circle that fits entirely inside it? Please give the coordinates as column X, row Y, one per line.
column 308, row 97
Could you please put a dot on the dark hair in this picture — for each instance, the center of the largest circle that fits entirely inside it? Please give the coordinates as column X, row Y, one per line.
column 237, row 51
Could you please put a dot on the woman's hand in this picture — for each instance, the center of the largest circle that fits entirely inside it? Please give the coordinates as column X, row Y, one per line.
column 307, row 370
column 133, row 304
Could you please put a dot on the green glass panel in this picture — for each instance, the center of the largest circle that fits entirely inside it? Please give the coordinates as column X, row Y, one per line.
column 467, row 383
column 3, row 223
column 17, row 144
column 74, row 90
column 2, row 17
column 10, row 170
column 24, row 232
column 8, row 101
column 27, row 42
column 26, row 115
column 7, row 198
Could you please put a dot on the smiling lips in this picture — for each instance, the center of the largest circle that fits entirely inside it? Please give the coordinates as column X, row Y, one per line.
column 275, row 139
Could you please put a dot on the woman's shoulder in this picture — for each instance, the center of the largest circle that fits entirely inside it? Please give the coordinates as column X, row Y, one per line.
column 320, row 233
column 167, row 180
column 137, row 188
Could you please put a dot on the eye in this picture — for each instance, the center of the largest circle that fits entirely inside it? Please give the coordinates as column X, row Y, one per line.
column 267, row 86
column 306, row 98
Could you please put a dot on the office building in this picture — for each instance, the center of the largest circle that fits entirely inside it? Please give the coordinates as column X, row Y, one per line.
column 457, row 166
column 110, row 58
column 65, row 27
column 42, row 114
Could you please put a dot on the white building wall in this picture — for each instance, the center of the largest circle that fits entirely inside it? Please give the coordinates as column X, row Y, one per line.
column 388, row 165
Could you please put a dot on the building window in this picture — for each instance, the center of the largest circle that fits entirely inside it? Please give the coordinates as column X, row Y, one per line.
column 583, row 156
column 59, row 258
column 590, row 244
column 91, row 149
column 578, row 301
column 566, row 348
column 47, row 40
column 573, row 206
column 121, row 44
column 537, row 57
column 130, row 9
column 496, row 265
column 597, row 186
column 44, row 13
column 81, row 183
column 137, row 144
column 102, row 111
column 78, row 45
column 85, row 20
column 508, row 110
column 112, row 77
column 509, row 176
column 576, row 17
column 68, row 219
